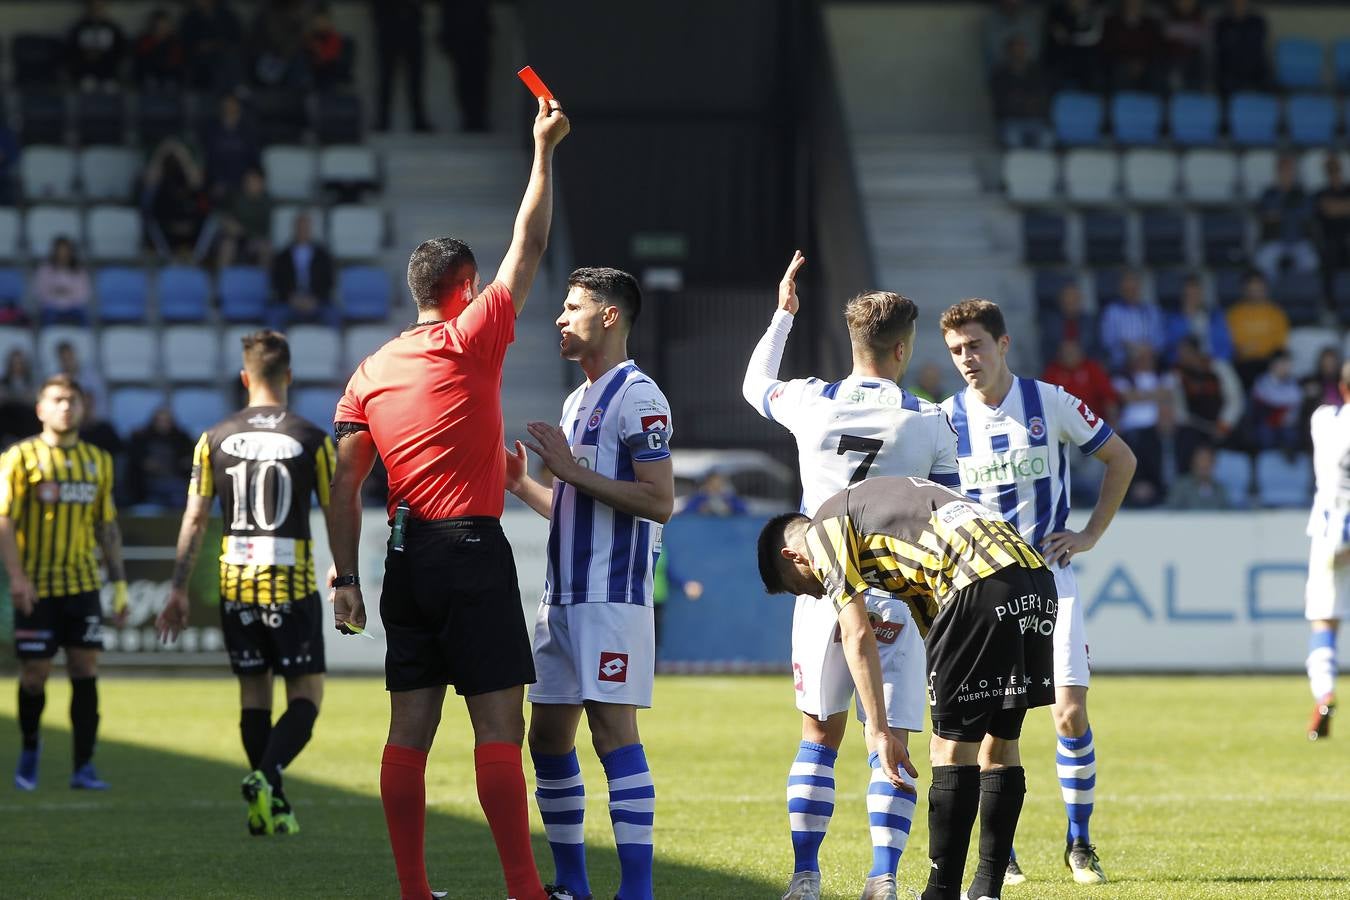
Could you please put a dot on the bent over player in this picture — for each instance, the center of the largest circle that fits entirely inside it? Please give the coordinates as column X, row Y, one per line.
column 264, row 463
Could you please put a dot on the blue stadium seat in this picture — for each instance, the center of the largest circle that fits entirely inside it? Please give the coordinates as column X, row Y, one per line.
column 12, row 286
column 1168, row 285
column 363, row 293
column 131, row 407
column 1311, row 119
column 1299, row 294
column 121, row 295
column 1104, row 235
column 1223, row 237
column 1164, row 234
column 197, row 409
column 243, row 294
column 316, row 404
column 1233, row 470
column 1047, row 283
column 1298, row 63
column 1340, row 63
column 1281, row 481
column 1136, row 118
column 184, row 294
column 1194, row 119
column 1253, row 119
column 1077, row 117
column 1043, row 234
column 1227, row 286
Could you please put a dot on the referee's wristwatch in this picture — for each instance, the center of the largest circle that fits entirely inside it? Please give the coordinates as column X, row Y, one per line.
column 347, row 581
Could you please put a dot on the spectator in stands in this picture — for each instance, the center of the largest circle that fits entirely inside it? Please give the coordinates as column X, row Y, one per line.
column 1021, row 95
column 232, row 148
column 928, row 383
column 1186, row 29
column 1240, row 60
column 1007, row 20
column 1197, row 490
column 1069, row 320
column 1084, row 377
column 1276, row 398
column 325, row 51
column 1259, row 327
column 1321, row 387
column 68, row 362
column 246, row 224
column 715, row 496
column 213, row 39
column 96, row 46
column 174, row 203
column 1208, row 399
column 1073, row 31
column 1333, row 220
column 1131, row 320
column 1286, row 214
column 18, row 394
column 466, row 37
column 9, row 163
column 62, row 286
column 1132, row 39
column 277, row 45
column 159, row 461
column 1195, row 318
column 398, row 40
column 302, row 280
column 159, row 62
column 1145, row 415
column 98, row 431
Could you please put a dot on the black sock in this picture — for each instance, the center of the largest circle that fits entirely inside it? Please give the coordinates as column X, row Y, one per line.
column 83, row 718
column 255, row 728
column 30, row 716
column 289, row 736
column 1001, row 795
column 953, row 803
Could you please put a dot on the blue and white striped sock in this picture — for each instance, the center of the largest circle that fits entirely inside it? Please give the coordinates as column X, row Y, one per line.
column 810, row 800
column 1076, row 763
column 561, row 796
column 890, row 814
column 632, row 808
column 1322, row 662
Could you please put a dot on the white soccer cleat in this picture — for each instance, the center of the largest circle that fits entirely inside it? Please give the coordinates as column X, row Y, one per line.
column 1014, row 874
column 880, row 887
column 1081, row 858
column 804, row 886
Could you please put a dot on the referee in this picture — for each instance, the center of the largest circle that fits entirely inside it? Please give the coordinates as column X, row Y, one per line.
column 55, row 505
column 429, row 403
column 985, row 601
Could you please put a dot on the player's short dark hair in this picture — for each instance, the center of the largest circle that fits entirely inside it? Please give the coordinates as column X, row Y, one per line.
column 267, row 355
column 612, row 285
column 61, row 380
column 975, row 311
column 771, row 542
column 878, row 320
column 435, row 265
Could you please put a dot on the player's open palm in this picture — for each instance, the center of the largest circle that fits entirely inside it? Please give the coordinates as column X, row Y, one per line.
column 893, row 758
column 1061, row 546
column 173, row 618
column 550, row 125
column 516, row 466
column 787, row 288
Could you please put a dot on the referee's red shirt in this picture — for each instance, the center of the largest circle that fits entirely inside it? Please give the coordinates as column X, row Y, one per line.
column 432, row 400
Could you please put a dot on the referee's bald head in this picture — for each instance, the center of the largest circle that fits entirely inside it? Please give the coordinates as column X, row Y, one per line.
column 437, row 265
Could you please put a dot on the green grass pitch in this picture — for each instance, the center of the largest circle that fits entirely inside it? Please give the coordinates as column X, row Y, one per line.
column 1206, row 788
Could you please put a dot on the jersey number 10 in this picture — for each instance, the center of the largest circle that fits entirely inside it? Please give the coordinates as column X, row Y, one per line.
column 250, row 495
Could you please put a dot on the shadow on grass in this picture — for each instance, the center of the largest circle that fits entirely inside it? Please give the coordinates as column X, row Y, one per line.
column 173, row 826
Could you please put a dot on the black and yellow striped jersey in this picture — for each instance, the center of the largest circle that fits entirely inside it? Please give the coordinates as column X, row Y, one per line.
column 913, row 538
column 264, row 463
column 56, row 496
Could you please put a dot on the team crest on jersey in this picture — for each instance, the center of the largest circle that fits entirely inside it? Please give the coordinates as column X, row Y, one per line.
column 613, row 667
column 261, row 420
column 1036, row 427
column 594, row 422
column 1088, row 415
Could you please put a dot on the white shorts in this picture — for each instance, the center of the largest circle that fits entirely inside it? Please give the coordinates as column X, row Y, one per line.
column 1073, row 665
column 594, row 651
column 820, row 671
column 1328, row 592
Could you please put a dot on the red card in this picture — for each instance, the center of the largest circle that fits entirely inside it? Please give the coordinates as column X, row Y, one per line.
column 534, row 83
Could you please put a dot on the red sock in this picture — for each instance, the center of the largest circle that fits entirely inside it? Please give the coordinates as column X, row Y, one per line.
column 403, row 790
column 501, row 791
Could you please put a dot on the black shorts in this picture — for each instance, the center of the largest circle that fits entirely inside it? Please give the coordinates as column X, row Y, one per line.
column 451, row 609
column 991, row 648
column 283, row 638
column 72, row 620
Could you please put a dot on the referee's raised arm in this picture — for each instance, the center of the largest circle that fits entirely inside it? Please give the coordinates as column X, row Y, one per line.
column 530, row 238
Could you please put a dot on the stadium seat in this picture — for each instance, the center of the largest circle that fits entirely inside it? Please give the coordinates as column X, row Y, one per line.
column 190, row 354
column 230, row 348
column 1312, row 173
column 44, row 224
column 113, row 232
column 1136, row 118
column 1299, row 294
column 109, row 173
column 1340, row 63
column 1227, row 285
column 1043, row 236
column 184, row 294
column 1298, row 63
column 1150, row 176
column 1257, row 172
column 38, row 59
column 1090, row 176
column 132, row 407
column 1047, row 283
column 244, row 292
column 1281, row 481
column 129, row 353
column 359, row 341
column 1106, row 287
column 290, row 172
column 1253, row 119
column 1209, row 176
column 47, row 173
column 280, row 115
column 337, row 118
column 160, row 115
column 1305, row 343
column 1193, row 120
column 1104, row 237
column 1168, row 285
column 1233, row 470
column 42, row 117
column 1031, row 176
column 1223, row 235
column 348, row 168
column 355, row 231
column 1077, row 117
column 315, row 352
column 1164, row 237
column 1311, row 119
column 283, row 223
column 363, row 293
column 197, row 408
column 122, row 295
column 317, row 404
column 79, row 337
column 9, row 233
column 14, row 338
column 100, row 118
column 13, row 287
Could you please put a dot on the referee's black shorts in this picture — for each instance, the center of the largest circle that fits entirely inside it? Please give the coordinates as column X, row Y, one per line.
column 451, row 609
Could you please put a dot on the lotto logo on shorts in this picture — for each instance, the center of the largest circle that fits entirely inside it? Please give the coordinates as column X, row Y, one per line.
column 613, row 667
column 797, row 679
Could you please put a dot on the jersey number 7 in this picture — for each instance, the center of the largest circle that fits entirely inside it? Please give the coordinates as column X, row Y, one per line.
column 870, row 447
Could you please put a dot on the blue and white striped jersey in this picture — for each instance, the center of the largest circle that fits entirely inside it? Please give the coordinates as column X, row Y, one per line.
column 1013, row 457
column 597, row 554
column 1329, row 520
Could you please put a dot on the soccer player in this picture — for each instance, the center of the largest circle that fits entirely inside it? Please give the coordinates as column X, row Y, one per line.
column 429, row 403
column 1329, row 557
column 594, row 642
column 56, row 503
column 847, row 430
column 264, row 463
column 1013, row 436
column 985, row 602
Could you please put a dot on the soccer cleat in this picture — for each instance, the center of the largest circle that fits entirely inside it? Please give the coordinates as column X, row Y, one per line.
column 804, row 886
column 1081, row 858
column 1014, row 874
column 559, row 892
column 86, row 779
column 26, row 772
column 1319, row 723
column 437, row 895
column 880, row 887
column 283, row 817
column 258, row 795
